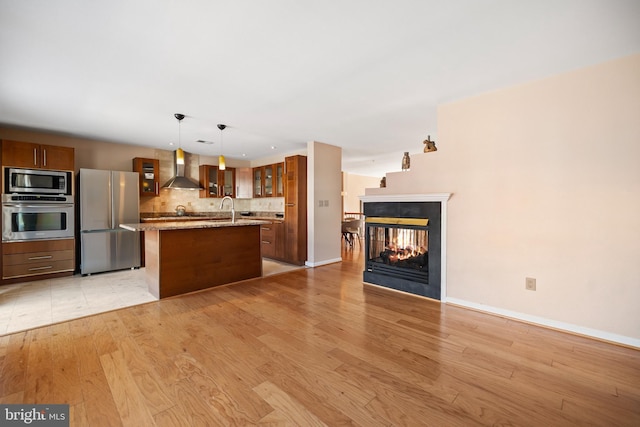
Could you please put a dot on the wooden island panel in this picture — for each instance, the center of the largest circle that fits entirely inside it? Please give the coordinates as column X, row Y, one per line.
column 186, row 260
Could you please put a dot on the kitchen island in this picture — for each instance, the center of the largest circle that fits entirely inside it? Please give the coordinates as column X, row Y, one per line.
column 187, row 256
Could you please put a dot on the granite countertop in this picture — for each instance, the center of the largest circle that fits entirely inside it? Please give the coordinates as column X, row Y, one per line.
column 185, row 218
column 184, row 225
column 199, row 216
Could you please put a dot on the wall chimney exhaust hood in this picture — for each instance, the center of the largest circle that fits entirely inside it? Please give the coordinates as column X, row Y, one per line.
column 179, row 180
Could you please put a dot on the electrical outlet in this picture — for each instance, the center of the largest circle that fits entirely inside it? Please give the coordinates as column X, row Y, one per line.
column 530, row 284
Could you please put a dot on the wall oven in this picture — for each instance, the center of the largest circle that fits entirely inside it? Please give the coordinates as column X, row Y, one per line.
column 34, row 181
column 37, row 217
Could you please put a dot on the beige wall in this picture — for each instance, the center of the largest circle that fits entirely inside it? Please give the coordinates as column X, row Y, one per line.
column 546, row 184
column 353, row 186
column 324, row 181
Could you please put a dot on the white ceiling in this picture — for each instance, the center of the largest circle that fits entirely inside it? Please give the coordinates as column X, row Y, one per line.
column 361, row 74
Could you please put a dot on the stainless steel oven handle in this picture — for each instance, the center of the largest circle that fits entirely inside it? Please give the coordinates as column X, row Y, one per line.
column 22, row 205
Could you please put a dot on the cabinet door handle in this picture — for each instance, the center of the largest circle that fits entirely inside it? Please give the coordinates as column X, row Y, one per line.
column 264, row 241
column 291, row 204
column 41, row 257
column 157, row 189
column 44, row 156
column 266, row 228
column 35, row 157
column 41, row 268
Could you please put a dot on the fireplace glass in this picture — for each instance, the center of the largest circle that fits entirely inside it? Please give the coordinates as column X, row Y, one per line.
column 398, row 246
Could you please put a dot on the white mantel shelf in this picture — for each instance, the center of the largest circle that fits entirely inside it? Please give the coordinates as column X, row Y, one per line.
column 427, row 197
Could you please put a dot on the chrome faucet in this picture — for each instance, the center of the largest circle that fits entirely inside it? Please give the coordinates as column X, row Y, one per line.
column 233, row 211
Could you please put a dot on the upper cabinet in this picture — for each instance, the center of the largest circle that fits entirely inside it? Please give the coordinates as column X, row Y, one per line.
column 217, row 183
column 244, row 187
column 208, row 181
column 258, row 174
column 149, row 170
column 268, row 180
column 39, row 156
column 279, row 179
column 228, row 182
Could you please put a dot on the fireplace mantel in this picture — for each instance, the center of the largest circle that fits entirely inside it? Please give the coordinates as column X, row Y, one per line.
column 429, row 197
column 443, row 198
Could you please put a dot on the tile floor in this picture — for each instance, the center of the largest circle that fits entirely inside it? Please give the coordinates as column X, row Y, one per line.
column 43, row 302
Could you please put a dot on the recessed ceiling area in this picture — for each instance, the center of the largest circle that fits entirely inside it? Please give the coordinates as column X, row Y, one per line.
column 365, row 76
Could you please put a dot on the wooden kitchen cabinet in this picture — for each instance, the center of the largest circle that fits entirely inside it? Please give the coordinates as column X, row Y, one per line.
column 268, row 180
column 149, row 171
column 272, row 240
column 295, row 209
column 227, row 179
column 267, row 183
column 37, row 156
column 244, row 188
column 38, row 259
column 217, row 183
column 258, row 179
column 278, row 169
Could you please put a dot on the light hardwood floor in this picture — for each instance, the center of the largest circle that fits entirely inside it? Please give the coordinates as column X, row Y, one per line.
column 313, row 347
column 30, row 305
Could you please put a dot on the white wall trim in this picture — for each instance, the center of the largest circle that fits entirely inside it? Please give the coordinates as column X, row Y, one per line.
column 324, row 262
column 427, row 197
column 568, row 327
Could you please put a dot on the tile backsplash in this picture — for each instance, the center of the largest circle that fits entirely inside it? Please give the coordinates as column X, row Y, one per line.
column 169, row 199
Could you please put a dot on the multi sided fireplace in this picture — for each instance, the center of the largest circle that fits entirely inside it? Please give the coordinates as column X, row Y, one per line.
column 403, row 246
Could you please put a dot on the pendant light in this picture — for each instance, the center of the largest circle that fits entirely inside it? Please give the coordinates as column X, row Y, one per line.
column 221, row 163
column 179, row 152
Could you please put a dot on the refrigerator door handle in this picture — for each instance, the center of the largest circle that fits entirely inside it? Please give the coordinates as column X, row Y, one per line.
column 110, row 202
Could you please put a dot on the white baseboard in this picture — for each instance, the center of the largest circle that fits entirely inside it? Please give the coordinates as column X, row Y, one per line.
column 581, row 330
column 324, row 262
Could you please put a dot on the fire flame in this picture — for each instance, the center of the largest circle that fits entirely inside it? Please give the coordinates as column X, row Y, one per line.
column 403, row 251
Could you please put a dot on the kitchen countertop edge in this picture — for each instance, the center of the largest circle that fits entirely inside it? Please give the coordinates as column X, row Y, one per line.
column 185, row 225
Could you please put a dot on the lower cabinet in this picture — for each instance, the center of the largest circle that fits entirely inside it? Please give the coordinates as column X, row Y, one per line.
column 38, row 258
column 272, row 240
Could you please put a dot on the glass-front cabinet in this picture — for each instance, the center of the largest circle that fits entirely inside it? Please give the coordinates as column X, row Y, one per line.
column 149, row 170
column 209, row 181
column 257, row 182
column 279, row 178
column 217, row 183
column 268, row 180
column 228, row 182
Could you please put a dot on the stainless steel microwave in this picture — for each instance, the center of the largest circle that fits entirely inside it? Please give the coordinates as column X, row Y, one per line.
column 35, row 181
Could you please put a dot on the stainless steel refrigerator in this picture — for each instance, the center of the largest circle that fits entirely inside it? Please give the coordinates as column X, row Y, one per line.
column 108, row 199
